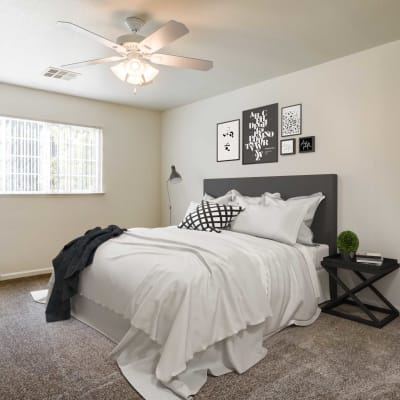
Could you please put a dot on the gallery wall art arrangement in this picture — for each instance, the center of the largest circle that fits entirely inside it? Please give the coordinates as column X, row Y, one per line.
column 260, row 135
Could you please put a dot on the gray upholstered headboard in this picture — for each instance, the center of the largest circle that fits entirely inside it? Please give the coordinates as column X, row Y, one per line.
column 325, row 220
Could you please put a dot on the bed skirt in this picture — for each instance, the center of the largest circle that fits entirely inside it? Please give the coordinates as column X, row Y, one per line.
column 237, row 353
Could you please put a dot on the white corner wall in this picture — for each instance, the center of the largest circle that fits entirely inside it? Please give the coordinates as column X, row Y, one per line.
column 34, row 228
column 351, row 105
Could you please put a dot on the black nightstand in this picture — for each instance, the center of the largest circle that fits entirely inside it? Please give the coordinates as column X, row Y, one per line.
column 332, row 264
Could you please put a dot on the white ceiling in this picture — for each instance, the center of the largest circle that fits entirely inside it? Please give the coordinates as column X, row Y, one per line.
column 249, row 41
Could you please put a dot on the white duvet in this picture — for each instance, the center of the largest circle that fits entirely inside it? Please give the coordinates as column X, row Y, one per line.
column 188, row 292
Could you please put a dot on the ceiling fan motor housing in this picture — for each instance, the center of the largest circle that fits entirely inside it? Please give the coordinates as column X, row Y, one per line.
column 130, row 38
column 129, row 41
column 134, row 23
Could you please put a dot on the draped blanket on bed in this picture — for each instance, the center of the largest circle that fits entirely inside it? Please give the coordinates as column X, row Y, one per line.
column 186, row 291
column 198, row 291
column 197, row 302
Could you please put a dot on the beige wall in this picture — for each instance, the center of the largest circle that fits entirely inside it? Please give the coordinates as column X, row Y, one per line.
column 34, row 228
column 351, row 105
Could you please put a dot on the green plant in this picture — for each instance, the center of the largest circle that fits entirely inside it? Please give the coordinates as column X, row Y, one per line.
column 347, row 242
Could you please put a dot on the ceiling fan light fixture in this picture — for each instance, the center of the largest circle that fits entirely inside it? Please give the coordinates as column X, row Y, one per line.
column 149, row 72
column 134, row 66
column 133, row 73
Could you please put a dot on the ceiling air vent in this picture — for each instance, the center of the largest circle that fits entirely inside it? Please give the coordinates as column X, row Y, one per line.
column 59, row 73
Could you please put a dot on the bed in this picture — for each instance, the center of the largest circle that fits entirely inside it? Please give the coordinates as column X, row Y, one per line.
column 252, row 294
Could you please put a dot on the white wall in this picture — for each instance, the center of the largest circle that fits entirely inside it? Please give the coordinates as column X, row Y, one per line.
column 351, row 105
column 34, row 228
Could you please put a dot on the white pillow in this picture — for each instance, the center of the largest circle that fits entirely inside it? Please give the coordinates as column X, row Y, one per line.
column 306, row 235
column 280, row 222
column 225, row 199
column 191, row 207
column 272, row 195
column 311, row 202
column 252, row 199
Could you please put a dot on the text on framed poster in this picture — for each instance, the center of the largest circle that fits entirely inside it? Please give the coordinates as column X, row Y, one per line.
column 260, row 135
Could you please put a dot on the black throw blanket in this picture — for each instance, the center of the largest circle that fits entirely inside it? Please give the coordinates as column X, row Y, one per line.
column 72, row 259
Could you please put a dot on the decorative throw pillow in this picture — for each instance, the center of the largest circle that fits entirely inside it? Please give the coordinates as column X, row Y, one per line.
column 210, row 217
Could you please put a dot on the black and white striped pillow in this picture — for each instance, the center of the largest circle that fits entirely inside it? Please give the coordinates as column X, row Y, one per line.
column 211, row 217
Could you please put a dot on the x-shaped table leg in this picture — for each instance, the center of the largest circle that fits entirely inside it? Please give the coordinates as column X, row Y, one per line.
column 351, row 293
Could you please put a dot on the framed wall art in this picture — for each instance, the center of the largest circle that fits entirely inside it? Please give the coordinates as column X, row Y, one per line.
column 291, row 120
column 228, row 141
column 260, row 135
column 288, row 146
column 307, row 144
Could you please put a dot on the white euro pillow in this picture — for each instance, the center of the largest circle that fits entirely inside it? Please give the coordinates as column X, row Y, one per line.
column 280, row 222
column 191, row 207
column 311, row 202
column 225, row 199
column 252, row 199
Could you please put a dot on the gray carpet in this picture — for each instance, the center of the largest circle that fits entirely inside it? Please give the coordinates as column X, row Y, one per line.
column 331, row 359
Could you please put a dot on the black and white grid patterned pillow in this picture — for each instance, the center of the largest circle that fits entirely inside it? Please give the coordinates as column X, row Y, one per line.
column 210, row 217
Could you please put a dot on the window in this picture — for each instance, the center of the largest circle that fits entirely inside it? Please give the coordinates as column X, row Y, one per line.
column 49, row 158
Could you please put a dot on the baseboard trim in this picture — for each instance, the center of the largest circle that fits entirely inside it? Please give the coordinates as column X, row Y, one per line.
column 24, row 274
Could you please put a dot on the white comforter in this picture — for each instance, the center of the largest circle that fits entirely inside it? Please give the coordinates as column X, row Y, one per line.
column 188, row 290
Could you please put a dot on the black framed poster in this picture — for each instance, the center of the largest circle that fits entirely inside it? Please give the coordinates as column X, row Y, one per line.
column 288, row 146
column 291, row 120
column 228, row 140
column 307, row 144
column 260, row 135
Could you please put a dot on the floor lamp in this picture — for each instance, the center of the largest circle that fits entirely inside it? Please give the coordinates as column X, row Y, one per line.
column 174, row 177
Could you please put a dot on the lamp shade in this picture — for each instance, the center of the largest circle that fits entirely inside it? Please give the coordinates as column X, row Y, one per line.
column 175, row 176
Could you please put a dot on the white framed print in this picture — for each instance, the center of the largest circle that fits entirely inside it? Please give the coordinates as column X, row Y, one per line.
column 291, row 120
column 288, row 146
column 228, row 141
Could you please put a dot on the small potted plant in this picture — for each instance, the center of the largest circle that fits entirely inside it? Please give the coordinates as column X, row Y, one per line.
column 347, row 242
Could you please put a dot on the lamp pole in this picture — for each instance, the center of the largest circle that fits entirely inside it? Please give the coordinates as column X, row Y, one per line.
column 169, row 203
column 174, row 177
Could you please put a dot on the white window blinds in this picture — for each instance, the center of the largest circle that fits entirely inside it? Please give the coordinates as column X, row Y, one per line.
column 45, row 157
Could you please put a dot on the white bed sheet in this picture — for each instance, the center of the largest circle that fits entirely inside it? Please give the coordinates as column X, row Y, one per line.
column 317, row 253
column 292, row 292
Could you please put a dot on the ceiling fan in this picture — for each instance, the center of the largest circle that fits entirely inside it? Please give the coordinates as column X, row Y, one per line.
column 137, row 53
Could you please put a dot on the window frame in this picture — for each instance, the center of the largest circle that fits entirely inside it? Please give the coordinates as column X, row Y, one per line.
column 64, row 194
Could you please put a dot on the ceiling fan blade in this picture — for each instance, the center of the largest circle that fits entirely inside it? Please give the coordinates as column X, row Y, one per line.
column 168, row 33
column 94, row 62
column 181, row 62
column 104, row 41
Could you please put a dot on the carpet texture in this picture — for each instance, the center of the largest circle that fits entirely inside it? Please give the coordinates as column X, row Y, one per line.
column 329, row 360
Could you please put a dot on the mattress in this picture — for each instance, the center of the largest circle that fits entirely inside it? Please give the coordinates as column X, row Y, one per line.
column 114, row 325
